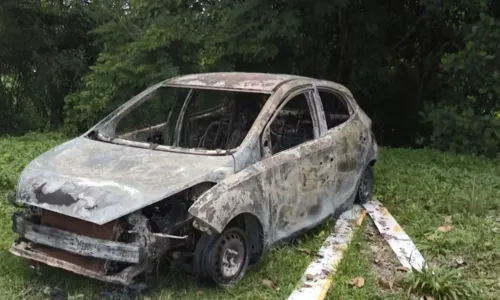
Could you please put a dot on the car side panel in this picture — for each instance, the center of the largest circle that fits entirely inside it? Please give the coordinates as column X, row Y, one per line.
column 265, row 188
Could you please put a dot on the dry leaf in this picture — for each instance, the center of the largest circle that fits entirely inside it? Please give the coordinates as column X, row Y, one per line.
column 309, row 277
column 445, row 229
column 357, row 281
column 268, row 283
column 459, row 261
column 305, row 285
column 402, row 269
column 387, row 284
column 47, row 290
column 430, row 237
column 447, row 220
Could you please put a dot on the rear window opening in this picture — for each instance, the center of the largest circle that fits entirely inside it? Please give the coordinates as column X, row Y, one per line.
column 335, row 108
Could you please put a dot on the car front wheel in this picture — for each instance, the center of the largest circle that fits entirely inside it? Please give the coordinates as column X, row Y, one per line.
column 222, row 259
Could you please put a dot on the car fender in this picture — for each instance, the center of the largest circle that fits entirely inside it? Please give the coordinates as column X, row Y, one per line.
column 241, row 193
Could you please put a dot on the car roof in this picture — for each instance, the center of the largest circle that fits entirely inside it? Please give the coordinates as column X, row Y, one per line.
column 243, row 81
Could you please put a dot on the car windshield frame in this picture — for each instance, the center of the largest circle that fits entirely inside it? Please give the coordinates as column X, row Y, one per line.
column 105, row 130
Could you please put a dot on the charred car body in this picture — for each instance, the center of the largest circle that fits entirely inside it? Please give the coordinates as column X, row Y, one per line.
column 206, row 170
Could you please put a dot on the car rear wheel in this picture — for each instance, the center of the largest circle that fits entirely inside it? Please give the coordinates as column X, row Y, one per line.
column 222, row 259
column 365, row 189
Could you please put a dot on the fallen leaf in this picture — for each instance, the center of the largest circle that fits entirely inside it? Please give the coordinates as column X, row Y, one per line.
column 387, row 284
column 305, row 285
column 402, row 269
column 447, row 220
column 309, row 277
column 47, row 290
column 357, row 281
column 268, row 283
column 459, row 262
column 445, row 229
column 430, row 237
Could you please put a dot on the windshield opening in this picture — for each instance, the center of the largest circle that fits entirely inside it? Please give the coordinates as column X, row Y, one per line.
column 190, row 118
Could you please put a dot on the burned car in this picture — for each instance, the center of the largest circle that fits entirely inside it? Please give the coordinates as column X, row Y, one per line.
column 207, row 171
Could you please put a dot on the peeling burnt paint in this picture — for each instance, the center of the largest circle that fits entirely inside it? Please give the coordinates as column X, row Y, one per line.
column 56, row 198
column 100, row 182
column 299, row 187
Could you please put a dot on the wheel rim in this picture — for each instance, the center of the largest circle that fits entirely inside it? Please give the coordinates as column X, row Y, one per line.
column 230, row 257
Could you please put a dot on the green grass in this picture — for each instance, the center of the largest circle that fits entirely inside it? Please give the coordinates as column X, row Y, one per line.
column 419, row 187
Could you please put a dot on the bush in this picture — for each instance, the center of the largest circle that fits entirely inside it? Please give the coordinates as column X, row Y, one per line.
column 461, row 130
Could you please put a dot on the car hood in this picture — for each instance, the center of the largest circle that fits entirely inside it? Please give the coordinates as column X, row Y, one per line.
column 100, row 182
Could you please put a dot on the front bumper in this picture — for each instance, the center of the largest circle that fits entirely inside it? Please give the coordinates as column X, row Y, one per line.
column 75, row 243
column 125, row 277
column 88, row 251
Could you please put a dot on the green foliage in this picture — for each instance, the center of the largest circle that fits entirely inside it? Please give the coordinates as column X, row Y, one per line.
column 154, row 42
column 16, row 153
column 462, row 130
column 466, row 120
column 73, row 62
column 45, row 48
column 441, row 284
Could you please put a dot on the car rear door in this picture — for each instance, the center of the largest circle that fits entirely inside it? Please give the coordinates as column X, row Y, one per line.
column 345, row 138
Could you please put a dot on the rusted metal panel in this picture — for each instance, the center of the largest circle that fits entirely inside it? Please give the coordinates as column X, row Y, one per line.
column 109, row 231
column 77, row 244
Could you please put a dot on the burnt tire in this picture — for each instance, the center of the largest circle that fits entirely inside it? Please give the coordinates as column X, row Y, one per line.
column 365, row 187
column 222, row 259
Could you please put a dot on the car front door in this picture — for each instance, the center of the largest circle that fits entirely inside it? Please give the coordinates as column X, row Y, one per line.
column 294, row 154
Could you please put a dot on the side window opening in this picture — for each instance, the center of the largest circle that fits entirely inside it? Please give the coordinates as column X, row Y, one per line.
column 335, row 108
column 292, row 125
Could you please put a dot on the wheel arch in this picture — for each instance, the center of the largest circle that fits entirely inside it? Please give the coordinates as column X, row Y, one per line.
column 239, row 197
column 252, row 226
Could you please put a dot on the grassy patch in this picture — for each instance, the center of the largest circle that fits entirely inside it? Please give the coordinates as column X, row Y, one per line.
column 423, row 189
column 357, row 262
column 426, row 190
